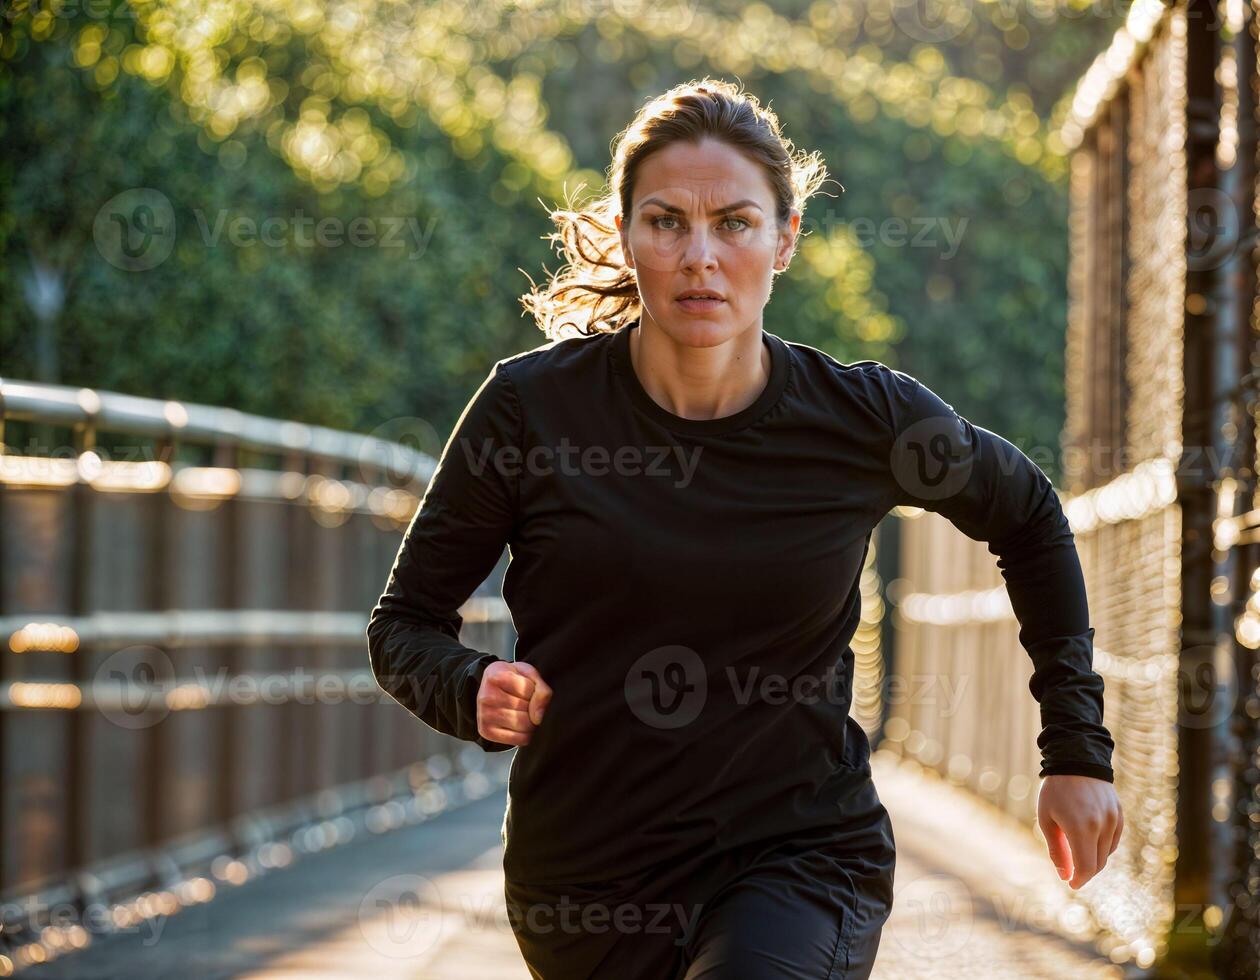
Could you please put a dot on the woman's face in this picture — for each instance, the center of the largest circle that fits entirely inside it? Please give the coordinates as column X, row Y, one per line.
column 677, row 237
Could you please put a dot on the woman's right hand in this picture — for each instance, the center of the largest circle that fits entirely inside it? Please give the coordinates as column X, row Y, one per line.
column 511, row 702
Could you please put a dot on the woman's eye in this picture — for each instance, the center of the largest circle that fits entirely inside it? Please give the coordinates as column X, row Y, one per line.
column 734, row 224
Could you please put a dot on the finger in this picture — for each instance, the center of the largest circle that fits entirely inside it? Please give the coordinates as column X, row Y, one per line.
column 515, row 682
column 505, row 736
column 541, row 695
column 512, row 718
column 1057, row 845
column 1084, row 844
column 530, row 671
column 1105, row 836
column 1115, row 841
column 537, row 707
column 538, row 703
column 497, row 697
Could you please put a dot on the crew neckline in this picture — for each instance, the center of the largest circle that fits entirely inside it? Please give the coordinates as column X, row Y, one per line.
column 726, row 423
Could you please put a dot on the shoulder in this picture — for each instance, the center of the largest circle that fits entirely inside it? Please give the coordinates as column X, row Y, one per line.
column 873, row 385
column 819, row 366
column 558, row 361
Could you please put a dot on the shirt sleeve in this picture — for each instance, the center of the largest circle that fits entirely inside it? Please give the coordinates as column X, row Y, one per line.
column 992, row 492
column 453, row 542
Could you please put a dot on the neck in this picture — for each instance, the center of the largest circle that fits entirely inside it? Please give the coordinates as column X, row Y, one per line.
column 700, row 382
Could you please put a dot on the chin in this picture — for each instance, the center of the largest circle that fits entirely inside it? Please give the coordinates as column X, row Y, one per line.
column 696, row 330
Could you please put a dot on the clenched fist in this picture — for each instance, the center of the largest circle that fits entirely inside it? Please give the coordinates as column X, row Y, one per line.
column 1082, row 822
column 511, row 702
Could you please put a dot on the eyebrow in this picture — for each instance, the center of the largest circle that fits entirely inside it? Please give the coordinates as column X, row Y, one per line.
column 723, row 210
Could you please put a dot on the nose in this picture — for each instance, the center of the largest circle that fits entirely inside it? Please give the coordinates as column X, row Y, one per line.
column 698, row 254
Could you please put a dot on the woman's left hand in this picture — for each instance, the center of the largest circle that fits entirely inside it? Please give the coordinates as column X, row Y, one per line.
column 1082, row 821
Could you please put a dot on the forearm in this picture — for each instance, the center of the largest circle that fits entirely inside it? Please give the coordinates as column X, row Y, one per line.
column 1046, row 586
column 430, row 673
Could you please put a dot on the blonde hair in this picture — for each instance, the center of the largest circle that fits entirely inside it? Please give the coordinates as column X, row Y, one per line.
column 596, row 292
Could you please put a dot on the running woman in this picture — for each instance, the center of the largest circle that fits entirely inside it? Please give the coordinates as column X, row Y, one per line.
column 688, row 500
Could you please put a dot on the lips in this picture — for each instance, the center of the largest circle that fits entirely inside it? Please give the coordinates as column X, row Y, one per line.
column 699, row 294
column 698, row 305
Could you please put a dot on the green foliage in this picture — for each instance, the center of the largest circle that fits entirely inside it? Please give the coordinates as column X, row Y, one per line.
column 944, row 256
column 336, row 333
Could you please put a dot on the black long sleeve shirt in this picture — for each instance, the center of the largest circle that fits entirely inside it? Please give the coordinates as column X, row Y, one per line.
column 689, row 589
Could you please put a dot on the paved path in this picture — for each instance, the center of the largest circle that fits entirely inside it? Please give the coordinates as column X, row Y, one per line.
column 426, row 903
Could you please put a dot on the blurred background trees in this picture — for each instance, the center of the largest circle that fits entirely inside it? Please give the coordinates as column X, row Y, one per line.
column 439, row 128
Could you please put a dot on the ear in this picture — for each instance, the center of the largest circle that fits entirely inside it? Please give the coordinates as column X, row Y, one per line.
column 625, row 243
column 787, row 241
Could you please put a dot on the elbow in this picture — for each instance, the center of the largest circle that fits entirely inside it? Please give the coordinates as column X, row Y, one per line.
column 1046, row 527
column 378, row 629
column 381, row 655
